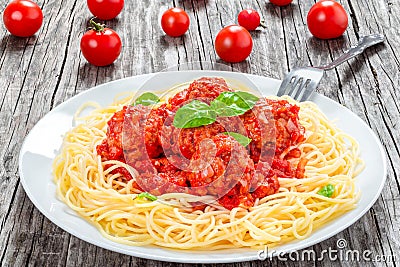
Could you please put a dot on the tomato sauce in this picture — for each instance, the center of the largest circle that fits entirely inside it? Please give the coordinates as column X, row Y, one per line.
column 204, row 160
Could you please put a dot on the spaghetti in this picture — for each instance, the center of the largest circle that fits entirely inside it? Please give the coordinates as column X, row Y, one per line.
column 92, row 188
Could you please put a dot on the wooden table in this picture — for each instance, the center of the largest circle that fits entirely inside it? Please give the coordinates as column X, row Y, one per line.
column 38, row 73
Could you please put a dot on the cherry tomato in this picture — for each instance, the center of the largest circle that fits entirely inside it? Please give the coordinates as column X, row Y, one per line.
column 175, row 22
column 23, row 18
column 327, row 19
column 281, row 2
column 249, row 19
column 100, row 46
column 233, row 43
column 105, row 9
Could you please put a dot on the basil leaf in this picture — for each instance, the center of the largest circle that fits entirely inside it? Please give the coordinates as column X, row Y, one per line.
column 249, row 98
column 229, row 104
column 194, row 114
column 327, row 190
column 147, row 99
column 147, row 195
column 243, row 140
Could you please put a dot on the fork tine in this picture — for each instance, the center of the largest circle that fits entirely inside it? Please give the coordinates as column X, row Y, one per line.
column 297, row 87
column 309, row 89
column 287, row 82
column 284, row 85
column 300, row 89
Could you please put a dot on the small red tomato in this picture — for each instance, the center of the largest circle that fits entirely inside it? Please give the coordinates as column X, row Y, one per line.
column 175, row 22
column 22, row 18
column 105, row 9
column 327, row 19
column 233, row 43
column 100, row 46
column 249, row 19
column 281, row 2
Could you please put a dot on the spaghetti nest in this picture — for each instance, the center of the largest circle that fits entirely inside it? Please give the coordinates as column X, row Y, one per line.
column 87, row 184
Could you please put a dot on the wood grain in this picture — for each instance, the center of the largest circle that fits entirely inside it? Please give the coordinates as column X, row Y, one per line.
column 40, row 72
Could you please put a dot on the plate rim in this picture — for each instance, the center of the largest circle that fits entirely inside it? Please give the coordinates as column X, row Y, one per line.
column 179, row 259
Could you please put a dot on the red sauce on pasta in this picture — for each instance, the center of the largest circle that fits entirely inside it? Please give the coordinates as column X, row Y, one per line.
column 236, row 174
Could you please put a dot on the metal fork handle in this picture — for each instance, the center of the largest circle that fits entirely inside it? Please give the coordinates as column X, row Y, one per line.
column 363, row 43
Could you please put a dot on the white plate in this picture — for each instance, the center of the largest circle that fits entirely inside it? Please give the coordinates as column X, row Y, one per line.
column 44, row 141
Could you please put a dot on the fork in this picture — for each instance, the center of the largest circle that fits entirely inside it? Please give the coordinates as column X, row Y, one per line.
column 301, row 82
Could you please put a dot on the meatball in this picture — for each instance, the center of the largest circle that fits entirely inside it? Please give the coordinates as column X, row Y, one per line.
column 283, row 168
column 129, row 121
column 264, row 181
column 182, row 143
column 153, row 128
column 204, row 88
column 152, row 121
column 272, row 125
column 126, row 123
column 162, row 183
column 234, row 198
column 288, row 129
column 166, row 179
column 269, row 186
column 134, row 139
column 230, row 168
column 111, row 147
column 260, row 127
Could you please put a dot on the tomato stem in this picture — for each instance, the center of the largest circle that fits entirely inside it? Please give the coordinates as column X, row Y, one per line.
column 263, row 24
column 96, row 26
